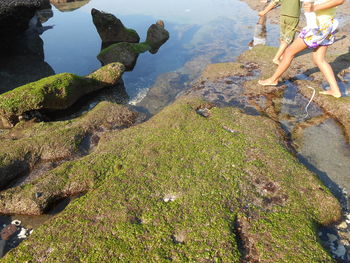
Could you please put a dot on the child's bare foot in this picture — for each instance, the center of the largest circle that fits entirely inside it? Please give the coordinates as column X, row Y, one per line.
column 276, row 61
column 335, row 94
column 268, row 82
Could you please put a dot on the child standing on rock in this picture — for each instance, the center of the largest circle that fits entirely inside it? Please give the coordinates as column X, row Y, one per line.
column 289, row 20
column 316, row 38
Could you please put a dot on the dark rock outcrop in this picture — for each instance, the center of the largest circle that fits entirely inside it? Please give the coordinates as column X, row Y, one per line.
column 156, row 36
column 125, row 53
column 14, row 18
column 112, row 30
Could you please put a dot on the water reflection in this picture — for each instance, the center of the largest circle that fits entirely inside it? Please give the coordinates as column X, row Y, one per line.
column 260, row 33
column 68, row 5
column 25, row 63
column 197, row 28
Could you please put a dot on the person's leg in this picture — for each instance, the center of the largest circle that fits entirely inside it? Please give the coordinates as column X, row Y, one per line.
column 280, row 51
column 318, row 57
column 297, row 46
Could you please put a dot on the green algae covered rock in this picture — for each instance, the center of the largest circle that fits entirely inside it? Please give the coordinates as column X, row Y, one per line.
column 23, row 147
column 185, row 188
column 111, row 29
column 54, row 92
column 125, row 53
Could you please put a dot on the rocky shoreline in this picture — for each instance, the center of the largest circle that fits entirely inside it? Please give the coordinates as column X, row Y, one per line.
column 209, row 178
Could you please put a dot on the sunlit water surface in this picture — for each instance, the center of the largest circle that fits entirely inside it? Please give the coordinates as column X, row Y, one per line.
column 218, row 30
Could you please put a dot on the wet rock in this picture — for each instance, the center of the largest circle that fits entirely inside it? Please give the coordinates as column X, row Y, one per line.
column 2, row 247
column 332, row 237
column 112, row 30
column 124, row 53
column 157, row 35
column 55, row 92
column 343, row 225
column 129, row 168
column 180, row 237
column 7, row 232
column 51, row 142
column 204, row 112
column 340, row 251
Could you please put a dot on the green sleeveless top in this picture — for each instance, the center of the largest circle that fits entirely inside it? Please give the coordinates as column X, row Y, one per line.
column 289, row 7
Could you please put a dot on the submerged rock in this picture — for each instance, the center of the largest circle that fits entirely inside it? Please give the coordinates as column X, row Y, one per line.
column 112, row 30
column 54, row 92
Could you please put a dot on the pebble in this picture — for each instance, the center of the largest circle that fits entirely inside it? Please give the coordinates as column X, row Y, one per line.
column 204, row 112
column 22, row 234
column 342, row 225
column 230, row 130
column 340, row 252
column 332, row 237
column 169, row 198
column 16, row 222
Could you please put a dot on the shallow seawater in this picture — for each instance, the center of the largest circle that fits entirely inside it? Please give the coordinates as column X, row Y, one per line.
column 215, row 31
column 324, row 147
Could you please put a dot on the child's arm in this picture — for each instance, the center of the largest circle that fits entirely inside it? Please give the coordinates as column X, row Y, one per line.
column 326, row 5
column 271, row 6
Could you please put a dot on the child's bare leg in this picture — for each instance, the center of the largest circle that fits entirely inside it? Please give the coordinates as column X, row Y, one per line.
column 280, row 51
column 297, row 46
column 318, row 57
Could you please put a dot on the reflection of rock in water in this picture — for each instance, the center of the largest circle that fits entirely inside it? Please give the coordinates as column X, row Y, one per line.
column 26, row 61
column 214, row 42
column 44, row 15
column 68, row 5
column 14, row 18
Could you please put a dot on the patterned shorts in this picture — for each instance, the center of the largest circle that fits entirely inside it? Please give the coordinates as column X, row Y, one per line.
column 321, row 36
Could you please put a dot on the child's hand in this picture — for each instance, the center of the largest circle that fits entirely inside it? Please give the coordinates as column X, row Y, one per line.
column 308, row 7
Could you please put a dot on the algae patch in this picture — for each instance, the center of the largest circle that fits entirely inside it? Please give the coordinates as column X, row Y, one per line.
column 214, row 176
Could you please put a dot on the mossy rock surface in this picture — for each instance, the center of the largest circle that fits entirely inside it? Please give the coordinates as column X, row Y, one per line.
column 124, row 53
column 23, row 147
column 55, row 92
column 184, row 188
